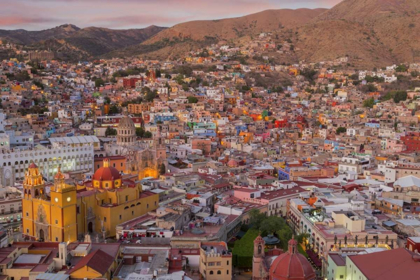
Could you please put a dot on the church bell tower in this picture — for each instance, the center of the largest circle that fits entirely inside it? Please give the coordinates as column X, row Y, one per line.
column 63, row 210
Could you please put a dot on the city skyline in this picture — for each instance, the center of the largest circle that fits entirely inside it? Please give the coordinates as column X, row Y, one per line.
column 127, row 14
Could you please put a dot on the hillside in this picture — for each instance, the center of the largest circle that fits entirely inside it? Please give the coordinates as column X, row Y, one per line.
column 232, row 28
column 79, row 43
column 374, row 32
column 184, row 37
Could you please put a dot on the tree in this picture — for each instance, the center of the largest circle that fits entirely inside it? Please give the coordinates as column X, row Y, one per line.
column 284, row 234
column 107, row 100
column 162, row 169
column 185, row 87
column 148, row 134
column 243, row 249
column 341, row 130
column 256, row 218
column 150, row 95
column 400, row 95
column 415, row 74
column 369, row 88
column 271, row 224
column 158, row 73
column 140, row 132
column 99, row 82
column 110, row 131
column 368, row 103
column 38, row 84
column 192, row 99
column 401, row 68
column 114, row 110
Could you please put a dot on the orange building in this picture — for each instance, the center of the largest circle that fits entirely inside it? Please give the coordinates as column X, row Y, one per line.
column 118, row 162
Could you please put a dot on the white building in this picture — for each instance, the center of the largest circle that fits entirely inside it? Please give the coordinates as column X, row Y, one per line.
column 72, row 153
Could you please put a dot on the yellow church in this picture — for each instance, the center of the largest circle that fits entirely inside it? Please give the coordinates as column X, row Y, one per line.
column 69, row 212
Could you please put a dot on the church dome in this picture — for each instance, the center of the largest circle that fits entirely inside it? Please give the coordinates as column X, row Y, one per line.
column 107, row 173
column 126, row 123
column 291, row 265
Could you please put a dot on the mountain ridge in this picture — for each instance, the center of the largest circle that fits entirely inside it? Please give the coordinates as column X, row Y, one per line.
column 373, row 33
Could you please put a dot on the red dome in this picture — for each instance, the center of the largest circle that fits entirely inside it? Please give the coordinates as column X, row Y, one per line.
column 107, row 173
column 291, row 266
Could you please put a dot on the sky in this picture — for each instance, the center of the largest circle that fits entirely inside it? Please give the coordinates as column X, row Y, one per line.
column 125, row 14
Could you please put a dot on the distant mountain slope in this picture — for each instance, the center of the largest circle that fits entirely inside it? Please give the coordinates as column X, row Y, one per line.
column 371, row 32
column 376, row 32
column 86, row 42
column 25, row 37
column 184, row 37
column 232, row 28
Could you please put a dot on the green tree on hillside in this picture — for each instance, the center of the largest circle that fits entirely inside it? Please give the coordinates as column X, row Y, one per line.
column 110, row 131
column 341, row 130
column 368, row 103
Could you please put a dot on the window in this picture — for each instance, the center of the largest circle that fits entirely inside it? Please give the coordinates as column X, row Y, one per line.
column 211, row 264
column 27, row 214
column 27, row 230
column 219, row 263
column 126, row 198
column 132, row 213
column 219, row 272
column 56, row 222
column 120, row 217
column 227, row 262
column 147, row 205
column 56, row 239
column 105, row 219
column 227, row 272
column 341, row 276
column 211, row 272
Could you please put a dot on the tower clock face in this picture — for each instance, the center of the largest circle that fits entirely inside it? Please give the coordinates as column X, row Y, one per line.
column 56, row 199
column 68, row 199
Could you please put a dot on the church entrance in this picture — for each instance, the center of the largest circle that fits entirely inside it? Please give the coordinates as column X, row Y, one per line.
column 41, row 235
column 90, row 227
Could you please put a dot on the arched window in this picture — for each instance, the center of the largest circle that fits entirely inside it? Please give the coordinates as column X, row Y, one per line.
column 211, row 272
column 219, row 272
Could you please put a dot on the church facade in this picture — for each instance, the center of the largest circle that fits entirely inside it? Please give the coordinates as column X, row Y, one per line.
column 144, row 158
column 68, row 212
column 48, row 217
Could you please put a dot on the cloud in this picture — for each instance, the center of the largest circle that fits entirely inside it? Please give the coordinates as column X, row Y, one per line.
column 135, row 13
column 138, row 20
column 20, row 20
